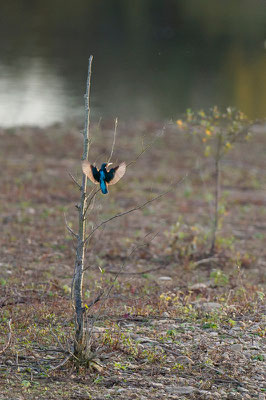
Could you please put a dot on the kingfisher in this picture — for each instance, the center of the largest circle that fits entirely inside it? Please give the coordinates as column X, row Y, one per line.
column 103, row 176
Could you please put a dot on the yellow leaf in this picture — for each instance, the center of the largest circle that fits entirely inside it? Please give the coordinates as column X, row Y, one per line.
column 179, row 122
column 228, row 145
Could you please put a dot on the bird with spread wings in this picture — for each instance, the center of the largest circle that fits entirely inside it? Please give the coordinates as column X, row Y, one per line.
column 102, row 176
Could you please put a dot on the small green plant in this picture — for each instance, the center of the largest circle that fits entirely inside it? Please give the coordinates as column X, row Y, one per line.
column 120, row 366
column 258, row 357
column 210, row 325
column 219, row 278
column 231, row 322
column 25, row 384
column 178, row 366
column 98, row 380
column 261, row 295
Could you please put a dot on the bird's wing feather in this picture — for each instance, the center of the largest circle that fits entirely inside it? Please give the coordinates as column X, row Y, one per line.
column 115, row 174
column 91, row 171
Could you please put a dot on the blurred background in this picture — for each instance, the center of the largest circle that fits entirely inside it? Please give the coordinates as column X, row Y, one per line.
column 152, row 59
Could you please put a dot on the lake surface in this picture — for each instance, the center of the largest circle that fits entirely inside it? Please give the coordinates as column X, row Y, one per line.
column 152, row 58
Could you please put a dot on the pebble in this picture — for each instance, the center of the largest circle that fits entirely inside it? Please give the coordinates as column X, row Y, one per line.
column 237, row 347
column 198, row 286
column 157, row 385
column 165, row 278
column 181, row 389
column 166, row 314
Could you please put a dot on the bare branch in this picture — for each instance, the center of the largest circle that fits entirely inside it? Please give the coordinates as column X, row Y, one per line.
column 92, row 249
column 135, row 208
column 98, row 298
column 62, row 363
column 74, row 180
column 69, row 229
column 220, row 372
column 147, row 147
column 113, row 145
column 206, row 261
column 9, row 337
column 92, row 197
column 146, row 271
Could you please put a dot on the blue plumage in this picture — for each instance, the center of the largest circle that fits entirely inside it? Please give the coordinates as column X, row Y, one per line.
column 103, row 176
column 103, row 185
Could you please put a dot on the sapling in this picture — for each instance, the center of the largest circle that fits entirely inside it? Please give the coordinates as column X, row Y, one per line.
column 217, row 131
column 82, row 344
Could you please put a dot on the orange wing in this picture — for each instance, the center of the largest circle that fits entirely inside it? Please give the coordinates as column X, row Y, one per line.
column 91, row 171
column 119, row 172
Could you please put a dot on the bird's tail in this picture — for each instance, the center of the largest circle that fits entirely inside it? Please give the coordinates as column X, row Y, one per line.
column 103, row 186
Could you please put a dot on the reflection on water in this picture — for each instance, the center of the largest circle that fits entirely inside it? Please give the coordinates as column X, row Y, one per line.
column 153, row 59
column 33, row 94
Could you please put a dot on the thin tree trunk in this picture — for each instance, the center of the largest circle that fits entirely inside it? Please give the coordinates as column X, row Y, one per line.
column 80, row 347
column 216, row 196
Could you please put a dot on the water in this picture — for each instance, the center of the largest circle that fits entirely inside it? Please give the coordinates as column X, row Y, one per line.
column 152, row 59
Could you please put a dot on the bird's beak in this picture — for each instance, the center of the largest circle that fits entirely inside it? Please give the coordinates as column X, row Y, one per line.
column 110, row 163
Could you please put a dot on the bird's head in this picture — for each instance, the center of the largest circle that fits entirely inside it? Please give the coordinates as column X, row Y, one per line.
column 104, row 165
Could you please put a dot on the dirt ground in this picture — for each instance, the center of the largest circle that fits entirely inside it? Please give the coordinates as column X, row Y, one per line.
column 175, row 323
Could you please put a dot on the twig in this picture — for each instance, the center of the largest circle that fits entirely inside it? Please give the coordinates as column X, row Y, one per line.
column 39, row 349
column 9, row 337
column 206, row 261
column 143, row 151
column 69, row 229
column 62, row 363
column 74, row 180
column 113, row 145
column 98, row 298
column 92, row 197
column 167, row 350
column 243, row 131
column 70, row 353
column 220, row 372
column 92, row 249
column 135, row 208
column 58, row 341
column 110, row 271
